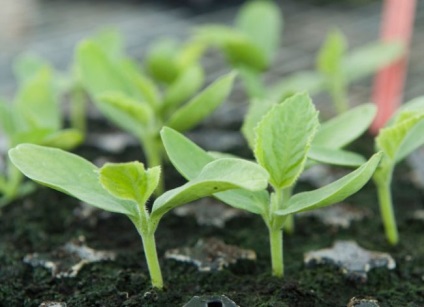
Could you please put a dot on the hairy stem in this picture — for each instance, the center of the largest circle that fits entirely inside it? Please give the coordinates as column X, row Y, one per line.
column 151, row 255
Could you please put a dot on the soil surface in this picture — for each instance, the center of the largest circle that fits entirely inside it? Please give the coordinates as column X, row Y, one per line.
column 46, row 220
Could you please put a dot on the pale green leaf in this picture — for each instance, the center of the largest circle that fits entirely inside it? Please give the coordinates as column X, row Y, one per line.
column 203, row 104
column 34, row 136
column 190, row 54
column 111, row 42
column 330, row 56
column 99, row 74
column 129, row 181
column 186, row 156
column 262, row 22
column 68, row 173
column 125, row 112
column 415, row 105
column 37, row 102
column 370, row 58
column 26, row 66
column 346, row 127
column 257, row 109
column 412, row 140
column 333, row 192
column 283, row 138
column 335, row 156
column 184, row 87
column 217, row 176
column 390, row 139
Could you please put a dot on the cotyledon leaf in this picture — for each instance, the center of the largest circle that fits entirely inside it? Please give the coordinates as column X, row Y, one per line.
column 67, row 173
column 333, row 192
column 335, row 156
column 217, row 176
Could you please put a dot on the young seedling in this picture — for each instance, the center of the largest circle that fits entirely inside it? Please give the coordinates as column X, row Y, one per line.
column 126, row 187
column 250, row 45
column 337, row 69
column 331, row 137
column 34, row 117
column 133, row 102
column 403, row 134
column 283, row 140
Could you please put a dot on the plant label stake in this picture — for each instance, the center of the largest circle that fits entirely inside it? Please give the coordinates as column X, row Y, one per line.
column 397, row 24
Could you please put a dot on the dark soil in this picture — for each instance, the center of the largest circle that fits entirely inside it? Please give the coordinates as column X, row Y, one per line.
column 45, row 221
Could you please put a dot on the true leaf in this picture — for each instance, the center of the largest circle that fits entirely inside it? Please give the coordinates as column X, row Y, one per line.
column 415, row 105
column 331, row 53
column 68, row 173
column 391, row 138
column 216, row 176
column 333, row 192
column 257, row 109
column 202, row 105
column 65, row 139
column 160, row 61
column 129, row 181
column 283, row 139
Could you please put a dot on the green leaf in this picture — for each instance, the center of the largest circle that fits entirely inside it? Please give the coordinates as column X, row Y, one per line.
column 37, row 103
column 129, row 181
column 391, row 139
column 257, row 109
column 189, row 159
column 346, row 127
column 413, row 140
column 161, row 61
column 370, row 58
column 68, row 173
column 415, row 105
column 125, row 112
column 202, row 105
column 186, row 156
column 35, row 136
column 333, row 192
column 216, row 176
column 99, row 74
column 111, row 42
column 237, row 46
column 190, row 54
column 331, row 53
column 66, row 139
column 184, row 87
column 283, row 139
column 335, row 156
column 262, row 22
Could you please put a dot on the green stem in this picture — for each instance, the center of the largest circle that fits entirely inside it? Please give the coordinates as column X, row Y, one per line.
column 151, row 255
column 383, row 182
column 338, row 93
column 153, row 150
column 289, row 221
column 276, row 233
column 276, row 245
column 78, row 110
column 252, row 82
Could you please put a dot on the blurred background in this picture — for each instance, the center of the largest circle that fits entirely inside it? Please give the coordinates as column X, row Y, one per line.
column 52, row 28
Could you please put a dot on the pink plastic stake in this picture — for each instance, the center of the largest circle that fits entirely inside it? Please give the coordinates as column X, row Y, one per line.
column 397, row 25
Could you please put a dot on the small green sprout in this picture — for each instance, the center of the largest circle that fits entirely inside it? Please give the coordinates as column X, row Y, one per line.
column 134, row 103
column 251, row 44
column 126, row 187
column 337, row 69
column 283, row 140
column 34, row 117
column 403, row 134
column 327, row 145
